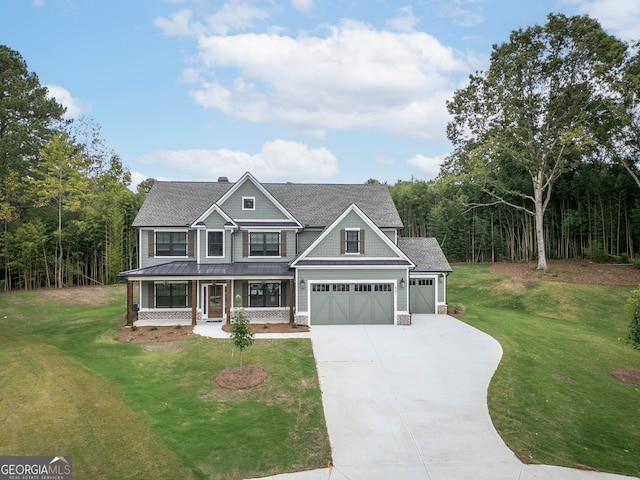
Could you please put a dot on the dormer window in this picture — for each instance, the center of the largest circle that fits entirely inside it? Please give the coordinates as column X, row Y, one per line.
column 248, row 203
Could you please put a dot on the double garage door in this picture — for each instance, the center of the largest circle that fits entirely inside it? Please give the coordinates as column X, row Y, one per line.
column 352, row 303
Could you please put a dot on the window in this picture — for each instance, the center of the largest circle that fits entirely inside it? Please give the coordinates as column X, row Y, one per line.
column 264, row 244
column 422, row 282
column 264, row 294
column 171, row 244
column 353, row 241
column 248, row 203
column 320, row 287
column 171, row 295
column 341, row 287
column 383, row 287
column 215, row 244
column 362, row 287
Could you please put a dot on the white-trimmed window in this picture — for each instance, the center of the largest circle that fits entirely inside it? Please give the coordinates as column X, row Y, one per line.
column 264, row 244
column 215, row 243
column 172, row 295
column 171, row 244
column 352, row 241
column 248, row 203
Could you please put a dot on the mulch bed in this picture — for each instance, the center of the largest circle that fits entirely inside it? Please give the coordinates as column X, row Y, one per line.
column 155, row 334
column 258, row 328
column 240, row 378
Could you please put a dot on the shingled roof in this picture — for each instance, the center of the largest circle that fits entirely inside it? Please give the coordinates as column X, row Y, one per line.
column 179, row 204
column 425, row 253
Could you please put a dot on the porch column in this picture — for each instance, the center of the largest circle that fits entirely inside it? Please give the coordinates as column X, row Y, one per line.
column 292, row 297
column 194, row 301
column 227, row 294
column 129, row 303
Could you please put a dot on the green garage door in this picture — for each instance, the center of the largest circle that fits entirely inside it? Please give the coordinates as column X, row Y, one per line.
column 351, row 303
column 422, row 295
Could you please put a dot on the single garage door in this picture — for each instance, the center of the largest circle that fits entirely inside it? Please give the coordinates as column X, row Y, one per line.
column 351, row 303
column 422, row 295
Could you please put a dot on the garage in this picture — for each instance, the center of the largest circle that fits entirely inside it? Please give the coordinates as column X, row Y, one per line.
column 352, row 303
column 422, row 295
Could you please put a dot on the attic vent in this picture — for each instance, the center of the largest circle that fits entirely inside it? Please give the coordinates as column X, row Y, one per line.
column 223, row 179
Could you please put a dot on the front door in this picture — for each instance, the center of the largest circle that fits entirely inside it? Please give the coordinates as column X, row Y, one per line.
column 216, row 301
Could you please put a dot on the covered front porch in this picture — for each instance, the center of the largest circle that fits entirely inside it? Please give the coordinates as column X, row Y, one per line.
column 168, row 295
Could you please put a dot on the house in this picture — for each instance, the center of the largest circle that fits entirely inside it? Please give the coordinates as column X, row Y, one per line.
column 305, row 253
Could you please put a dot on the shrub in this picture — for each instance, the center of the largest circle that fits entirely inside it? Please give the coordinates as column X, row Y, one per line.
column 636, row 263
column 634, row 327
column 624, row 258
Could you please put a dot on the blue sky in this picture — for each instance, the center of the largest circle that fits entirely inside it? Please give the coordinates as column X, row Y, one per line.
column 328, row 91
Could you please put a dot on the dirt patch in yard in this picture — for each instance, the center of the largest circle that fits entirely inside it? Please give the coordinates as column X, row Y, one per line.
column 572, row 271
column 627, row 375
column 81, row 295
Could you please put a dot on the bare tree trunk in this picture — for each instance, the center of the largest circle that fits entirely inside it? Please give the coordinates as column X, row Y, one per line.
column 539, row 218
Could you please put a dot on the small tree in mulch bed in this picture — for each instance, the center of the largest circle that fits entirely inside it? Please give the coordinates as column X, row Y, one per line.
column 241, row 334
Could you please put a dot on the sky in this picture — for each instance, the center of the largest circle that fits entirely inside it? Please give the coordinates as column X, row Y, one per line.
column 320, row 91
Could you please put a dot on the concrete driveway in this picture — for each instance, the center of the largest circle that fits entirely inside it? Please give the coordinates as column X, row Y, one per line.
column 410, row 403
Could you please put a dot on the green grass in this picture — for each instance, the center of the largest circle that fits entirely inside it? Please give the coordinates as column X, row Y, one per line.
column 553, row 398
column 68, row 386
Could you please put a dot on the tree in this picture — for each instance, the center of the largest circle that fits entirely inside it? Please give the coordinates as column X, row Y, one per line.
column 28, row 118
column 532, row 114
column 241, row 334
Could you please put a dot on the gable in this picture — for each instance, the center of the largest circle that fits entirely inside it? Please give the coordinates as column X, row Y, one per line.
column 331, row 245
column 248, row 200
column 373, row 243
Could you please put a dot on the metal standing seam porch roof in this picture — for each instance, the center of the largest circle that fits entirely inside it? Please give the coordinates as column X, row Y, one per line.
column 194, row 269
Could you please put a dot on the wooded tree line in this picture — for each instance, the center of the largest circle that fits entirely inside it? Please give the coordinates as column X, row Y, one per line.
column 546, row 150
column 545, row 163
column 65, row 209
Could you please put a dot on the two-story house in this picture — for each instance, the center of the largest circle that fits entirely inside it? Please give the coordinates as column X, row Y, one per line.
column 306, row 253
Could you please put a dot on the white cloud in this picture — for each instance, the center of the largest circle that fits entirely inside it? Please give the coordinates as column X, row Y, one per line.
column 353, row 78
column 304, row 6
column 279, row 160
column 233, row 15
column 404, row 21
column 74, row 106
column 430, row 166
column 621, row 17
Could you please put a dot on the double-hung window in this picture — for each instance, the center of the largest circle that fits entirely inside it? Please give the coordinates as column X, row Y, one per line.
column 264, row 244
column 215, row 243
column 171, row 244
column 172, row 295
column 353, row 241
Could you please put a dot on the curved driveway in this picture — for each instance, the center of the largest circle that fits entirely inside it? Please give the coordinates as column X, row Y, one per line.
column 410, row 403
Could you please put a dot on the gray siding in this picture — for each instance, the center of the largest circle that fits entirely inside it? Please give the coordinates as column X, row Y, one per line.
column 305, row 238
column 441, row 288
column 355, row 274
column 264, row 208
column 373, row 245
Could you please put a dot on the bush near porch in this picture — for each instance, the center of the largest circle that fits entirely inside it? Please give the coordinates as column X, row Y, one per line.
column 70, row 386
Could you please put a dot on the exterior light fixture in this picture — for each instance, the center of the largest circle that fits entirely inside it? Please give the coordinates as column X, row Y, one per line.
column 402, row 283
column 302, row 283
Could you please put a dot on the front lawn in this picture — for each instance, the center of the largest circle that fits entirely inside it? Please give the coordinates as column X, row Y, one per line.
column 68, row 386
column 553, row 398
